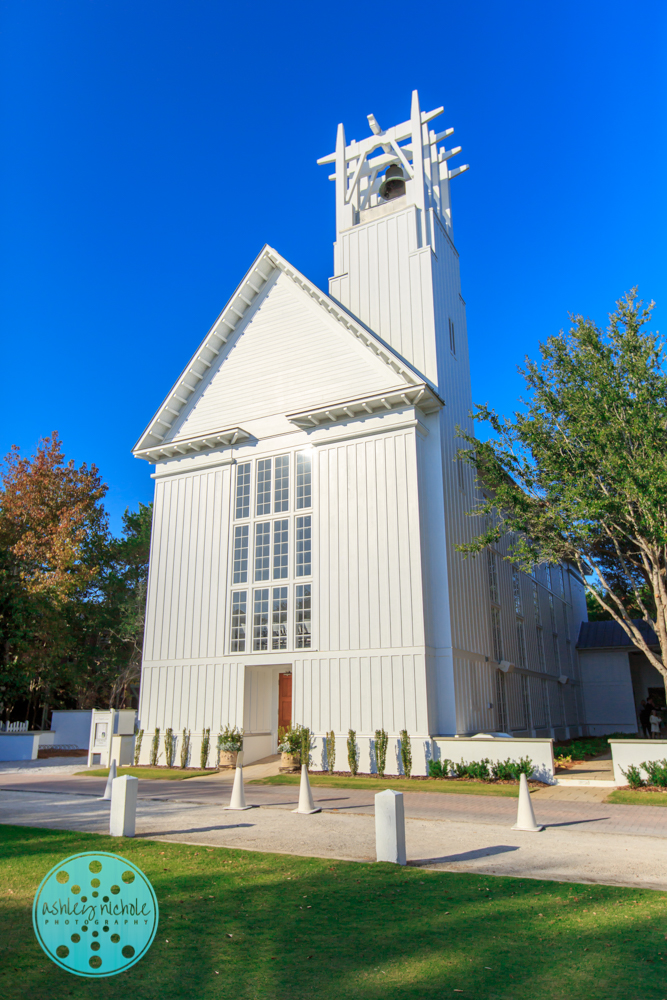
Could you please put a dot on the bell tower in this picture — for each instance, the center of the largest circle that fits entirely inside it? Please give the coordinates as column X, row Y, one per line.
column 395, row 264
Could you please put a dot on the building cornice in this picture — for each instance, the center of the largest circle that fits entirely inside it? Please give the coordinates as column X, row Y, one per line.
column 421, row 396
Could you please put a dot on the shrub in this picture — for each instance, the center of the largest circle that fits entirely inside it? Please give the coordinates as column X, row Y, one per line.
column 478, row 770
column 447, row 767
column 381, row 741
column 406, row 752
column 331, row 751
column 205, row 747
column 352, row 752
column 185, row 748
column 633, row 774
column 306, row 745
column 656, row 771
column 137, row 746
column 289, row 739
column 511, row 770
column 435, row 769
column 230, row 739
column 155, row 747
column 169, row 747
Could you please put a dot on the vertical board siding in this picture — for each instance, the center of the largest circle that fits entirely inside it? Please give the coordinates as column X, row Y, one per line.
column 187, row 578
column 368, row 567
column 363, row 693
column 192, row 696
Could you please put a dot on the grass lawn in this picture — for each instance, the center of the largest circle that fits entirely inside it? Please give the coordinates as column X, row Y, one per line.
column 311, row 928
column 628, row 797
column 399, row 784
column 165, row 773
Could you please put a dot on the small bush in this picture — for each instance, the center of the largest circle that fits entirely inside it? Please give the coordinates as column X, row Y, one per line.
column 406, row 752
column 155, row 747
column 230, row 739
column 435, row 769
column 289, row 739
column 185, row 748
column 331, row 751
column 511, row 770
column 352, row 752
column 656, row 771
column 306, row 745
column 169, row 747
column 381, row 741
column 137, row 746
column 633, row 774
column 205, row 747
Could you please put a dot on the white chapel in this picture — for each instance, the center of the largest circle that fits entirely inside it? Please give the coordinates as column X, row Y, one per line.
column 308, row 500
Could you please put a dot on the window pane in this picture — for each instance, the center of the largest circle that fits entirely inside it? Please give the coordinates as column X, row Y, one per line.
column 239, row 602
column 303, row 550
column 262, row 550
column 303, row 481
column 260, row 620
column 521, row 643
column 279, row 618
column 302, row 623
column 243, row 490
column 241, row 553
column 280, row 550
column 516, row 589
column 263, row 486
column 281, row 485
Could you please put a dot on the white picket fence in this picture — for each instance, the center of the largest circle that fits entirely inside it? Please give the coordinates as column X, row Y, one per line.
column 13, row 727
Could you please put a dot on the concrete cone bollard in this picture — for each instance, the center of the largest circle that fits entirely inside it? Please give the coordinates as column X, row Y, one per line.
column 238, row 801
column 110, row 780
column 306, row 804
column 525, row 819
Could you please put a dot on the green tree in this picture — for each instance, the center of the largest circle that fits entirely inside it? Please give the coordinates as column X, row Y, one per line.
column 580, row 474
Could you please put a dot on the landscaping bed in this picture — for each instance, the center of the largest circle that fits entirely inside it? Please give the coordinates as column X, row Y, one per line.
column 156, row 773
column 253, row 926
column 464, row 786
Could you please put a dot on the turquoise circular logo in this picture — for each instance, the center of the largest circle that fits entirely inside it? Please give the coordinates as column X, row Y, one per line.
column 95, row 914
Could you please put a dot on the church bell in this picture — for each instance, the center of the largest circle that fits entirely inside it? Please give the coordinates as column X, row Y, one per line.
column 393, row 185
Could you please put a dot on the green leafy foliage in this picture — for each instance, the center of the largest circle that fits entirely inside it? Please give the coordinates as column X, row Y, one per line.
column 331, row 751
column 406, row 752
column 511, row 770
column 656, row 771
column 478, row 770
column 205, row 748
column 580, row 474
column 155, row 747
column 352, row 752
column 634, row 776
column 381, row 743
column 230, row 739
column 137, row 746
column 290, row 739
column 169, row 747
column 185, row 748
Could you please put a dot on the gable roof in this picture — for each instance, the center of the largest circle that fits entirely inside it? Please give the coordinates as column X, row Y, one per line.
column 610, row 635
column 154, row 444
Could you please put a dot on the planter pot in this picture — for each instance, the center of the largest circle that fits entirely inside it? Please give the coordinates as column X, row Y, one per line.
column 228, row 758
column 290, row 761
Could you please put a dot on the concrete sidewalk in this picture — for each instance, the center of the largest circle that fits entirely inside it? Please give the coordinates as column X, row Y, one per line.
column 446, row 845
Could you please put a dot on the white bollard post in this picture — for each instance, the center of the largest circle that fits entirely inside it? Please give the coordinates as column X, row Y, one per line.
column 306, row 805
column 110, row 780
column 123, row 817
column 525, row 818
column 238, row 793
column 390, row 827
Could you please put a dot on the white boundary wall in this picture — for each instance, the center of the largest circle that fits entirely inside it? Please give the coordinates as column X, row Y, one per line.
column 469, row 749
column 19, row 746
column 627, row 752
column 455, row 748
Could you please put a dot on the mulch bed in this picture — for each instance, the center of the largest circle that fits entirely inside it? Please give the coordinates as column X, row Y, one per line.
column 425, row 777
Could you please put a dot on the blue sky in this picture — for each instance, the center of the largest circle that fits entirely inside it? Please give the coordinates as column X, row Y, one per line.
column 150, row 150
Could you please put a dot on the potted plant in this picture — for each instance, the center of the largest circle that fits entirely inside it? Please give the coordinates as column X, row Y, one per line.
column 289, row 747
column 230, row 742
